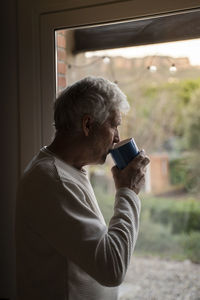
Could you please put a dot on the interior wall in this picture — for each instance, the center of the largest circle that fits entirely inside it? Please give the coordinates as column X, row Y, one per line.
column 9, row 149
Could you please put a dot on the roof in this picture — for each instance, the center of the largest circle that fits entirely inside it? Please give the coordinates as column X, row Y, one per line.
column 160, row 29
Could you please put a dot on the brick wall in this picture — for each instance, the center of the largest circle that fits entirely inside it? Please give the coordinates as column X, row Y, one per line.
column 61, row 60
column 159, row 173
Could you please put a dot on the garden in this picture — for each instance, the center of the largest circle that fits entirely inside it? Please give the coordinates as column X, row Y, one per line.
column 170, row 221
column 169, row 227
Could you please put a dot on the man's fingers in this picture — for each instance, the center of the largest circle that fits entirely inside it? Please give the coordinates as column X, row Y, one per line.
column 141, row 160
column 146, row 161
column 137, row 183
column 139, row 176
column 140, row 156
column 114, row 170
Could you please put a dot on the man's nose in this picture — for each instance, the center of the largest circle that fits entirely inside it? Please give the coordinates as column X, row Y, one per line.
column 116, row 137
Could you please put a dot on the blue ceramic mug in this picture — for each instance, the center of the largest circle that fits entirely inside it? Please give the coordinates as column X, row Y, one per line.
column 123, row 152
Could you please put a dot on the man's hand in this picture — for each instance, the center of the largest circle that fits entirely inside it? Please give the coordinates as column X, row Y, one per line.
column 133, row 176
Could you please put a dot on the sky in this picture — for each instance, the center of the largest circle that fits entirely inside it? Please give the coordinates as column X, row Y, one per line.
column 188, row 48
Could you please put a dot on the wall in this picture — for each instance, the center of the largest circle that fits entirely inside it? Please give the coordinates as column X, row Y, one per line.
column 9, row 149
column 159, row 172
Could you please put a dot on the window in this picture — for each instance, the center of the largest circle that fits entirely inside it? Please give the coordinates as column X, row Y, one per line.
column 162, row 84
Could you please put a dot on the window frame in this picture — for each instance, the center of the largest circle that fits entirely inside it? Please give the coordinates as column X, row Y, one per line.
column 37, row 76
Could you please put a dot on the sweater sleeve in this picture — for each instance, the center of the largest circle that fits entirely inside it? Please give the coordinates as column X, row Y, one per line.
column 58, row 212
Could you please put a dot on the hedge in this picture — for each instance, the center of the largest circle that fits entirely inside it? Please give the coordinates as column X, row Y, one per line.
column 182, row 216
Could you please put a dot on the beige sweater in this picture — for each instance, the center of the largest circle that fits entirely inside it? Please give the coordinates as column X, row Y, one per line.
column 65, row 251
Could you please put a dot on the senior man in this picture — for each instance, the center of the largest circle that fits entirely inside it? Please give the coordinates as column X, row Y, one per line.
column 65, row 251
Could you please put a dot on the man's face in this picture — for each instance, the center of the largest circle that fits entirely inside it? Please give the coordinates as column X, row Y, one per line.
column 105, row 136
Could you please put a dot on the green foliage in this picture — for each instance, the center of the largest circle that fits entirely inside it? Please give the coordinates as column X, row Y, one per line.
column 151, row 92
column 191, row 245
column 182, row 172
column 155, row 238
column 168, row 109
column 187, row 89
column 177, row 171
column 192, row 122
column 106, row 203
column 185, row 171
column 169, row 228
column 182, row 216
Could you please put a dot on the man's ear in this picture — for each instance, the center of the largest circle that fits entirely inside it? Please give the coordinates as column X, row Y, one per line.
column 87, row 124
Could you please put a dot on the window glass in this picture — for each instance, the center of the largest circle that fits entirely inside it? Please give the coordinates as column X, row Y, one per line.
column 162, row 84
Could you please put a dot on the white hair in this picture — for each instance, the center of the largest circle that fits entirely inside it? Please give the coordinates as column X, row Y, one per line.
column 94, row 96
